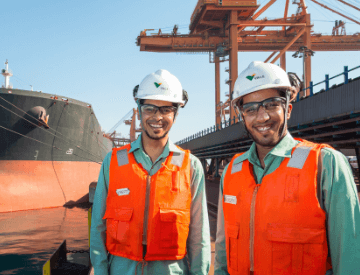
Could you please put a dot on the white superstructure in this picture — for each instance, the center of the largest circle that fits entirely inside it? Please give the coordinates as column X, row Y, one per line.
column 7, row 74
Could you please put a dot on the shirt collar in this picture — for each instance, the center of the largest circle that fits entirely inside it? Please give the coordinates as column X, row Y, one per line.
column 282, row 149
column 135, row 145
column 169, row 147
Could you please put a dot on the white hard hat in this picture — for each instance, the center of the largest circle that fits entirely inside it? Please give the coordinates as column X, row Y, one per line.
column 161, row 85
column 259, row 76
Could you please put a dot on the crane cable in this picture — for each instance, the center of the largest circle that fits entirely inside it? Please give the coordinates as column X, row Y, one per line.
column 339, row 9
column 119, row 122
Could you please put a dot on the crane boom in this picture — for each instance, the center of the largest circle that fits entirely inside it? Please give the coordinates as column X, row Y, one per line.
column 120, row 121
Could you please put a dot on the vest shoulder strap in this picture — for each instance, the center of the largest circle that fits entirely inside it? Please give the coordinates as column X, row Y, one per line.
column 178, row 158
column 299, row 157
column 122, row 155
column 237, row 166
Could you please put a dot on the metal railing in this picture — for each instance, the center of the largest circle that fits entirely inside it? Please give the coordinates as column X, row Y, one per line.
column 231, row 121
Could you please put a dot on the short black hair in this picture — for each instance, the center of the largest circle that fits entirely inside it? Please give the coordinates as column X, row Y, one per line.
column 135, row 90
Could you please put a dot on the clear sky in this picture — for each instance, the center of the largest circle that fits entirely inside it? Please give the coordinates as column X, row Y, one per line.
column 86, row 50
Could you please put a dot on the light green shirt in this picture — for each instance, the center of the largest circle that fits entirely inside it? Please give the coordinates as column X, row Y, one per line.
column 338, row 198
column 198, row 242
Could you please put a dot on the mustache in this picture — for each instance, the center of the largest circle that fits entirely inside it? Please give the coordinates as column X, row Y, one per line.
column 268, row 123
column 155, row 121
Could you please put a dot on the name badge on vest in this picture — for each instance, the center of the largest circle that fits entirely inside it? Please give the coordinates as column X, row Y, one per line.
column 230, row 199
column 123, row 191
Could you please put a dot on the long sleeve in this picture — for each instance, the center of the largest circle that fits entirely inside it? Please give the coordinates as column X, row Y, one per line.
column 98, row 252
column 198, row 242
column 341, row 204
column 220, row 266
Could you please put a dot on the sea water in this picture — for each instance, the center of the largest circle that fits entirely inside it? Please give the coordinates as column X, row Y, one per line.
column 29, row 238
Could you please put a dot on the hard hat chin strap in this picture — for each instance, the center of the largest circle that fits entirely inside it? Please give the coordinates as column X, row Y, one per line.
column 288, row 93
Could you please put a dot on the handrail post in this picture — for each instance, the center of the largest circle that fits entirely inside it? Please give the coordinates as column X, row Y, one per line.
column 311, row 88
column 229, row 121
column 217, row 167
column 346, row 75
column 326, row 82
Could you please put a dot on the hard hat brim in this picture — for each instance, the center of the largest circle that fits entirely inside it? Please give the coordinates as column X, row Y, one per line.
column 260, row 88
column 162, row 98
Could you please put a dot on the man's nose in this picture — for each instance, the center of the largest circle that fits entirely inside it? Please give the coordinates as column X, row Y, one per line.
column 262, row 115
column 157, row 113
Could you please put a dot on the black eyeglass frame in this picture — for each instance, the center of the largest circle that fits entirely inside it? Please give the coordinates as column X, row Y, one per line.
column 159, row 108
column 261, row 103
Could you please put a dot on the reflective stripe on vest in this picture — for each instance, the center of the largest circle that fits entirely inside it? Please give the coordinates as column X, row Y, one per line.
column 299, row 157
column 236, row 168
column 178, row 158
column 289, row 234
column 122, row 157
column 168, row 209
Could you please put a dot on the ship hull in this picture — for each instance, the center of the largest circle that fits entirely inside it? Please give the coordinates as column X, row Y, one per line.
column 51, row 167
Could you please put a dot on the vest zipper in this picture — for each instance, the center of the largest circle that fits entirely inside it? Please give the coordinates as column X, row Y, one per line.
column 252, row 226
column 146, row 210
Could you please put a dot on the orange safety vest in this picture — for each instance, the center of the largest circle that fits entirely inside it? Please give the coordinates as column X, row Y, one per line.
column 169, row 207
column 278, row 226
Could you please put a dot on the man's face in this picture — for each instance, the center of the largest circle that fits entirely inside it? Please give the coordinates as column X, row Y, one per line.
column 157, row 126
column 266, row 126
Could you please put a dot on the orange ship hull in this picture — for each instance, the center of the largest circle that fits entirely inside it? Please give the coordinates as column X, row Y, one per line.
column 28, row 184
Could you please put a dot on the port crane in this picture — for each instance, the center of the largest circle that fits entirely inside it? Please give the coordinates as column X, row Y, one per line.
column 129, row 119
column 225, row 27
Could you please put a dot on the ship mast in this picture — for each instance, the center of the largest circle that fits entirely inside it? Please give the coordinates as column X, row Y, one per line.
column 7, row 74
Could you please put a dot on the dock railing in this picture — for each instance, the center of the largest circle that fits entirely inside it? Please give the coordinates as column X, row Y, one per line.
column 231, row 121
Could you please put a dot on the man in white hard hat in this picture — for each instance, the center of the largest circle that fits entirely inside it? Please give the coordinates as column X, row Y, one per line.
column 285, row 203
column 150, row 212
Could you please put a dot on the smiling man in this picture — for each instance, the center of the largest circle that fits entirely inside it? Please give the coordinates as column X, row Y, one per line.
column 286, row 206
column 150, row 211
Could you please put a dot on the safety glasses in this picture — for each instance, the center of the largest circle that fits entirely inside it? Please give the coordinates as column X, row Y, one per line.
column 270, row 105
column 150, row 109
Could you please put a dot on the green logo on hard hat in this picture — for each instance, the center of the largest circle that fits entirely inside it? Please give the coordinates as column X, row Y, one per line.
column 250, row 77
column 157, row 85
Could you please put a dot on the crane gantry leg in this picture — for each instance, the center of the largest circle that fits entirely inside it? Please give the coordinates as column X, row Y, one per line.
column 233, row 60
column 217, row 91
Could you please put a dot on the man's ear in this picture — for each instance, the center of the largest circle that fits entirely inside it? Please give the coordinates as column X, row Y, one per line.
column 289, row 111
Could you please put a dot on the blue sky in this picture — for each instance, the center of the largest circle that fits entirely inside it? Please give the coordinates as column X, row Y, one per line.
column 86, row 50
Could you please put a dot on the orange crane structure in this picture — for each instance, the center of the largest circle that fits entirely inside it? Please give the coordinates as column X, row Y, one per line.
column 221, row 27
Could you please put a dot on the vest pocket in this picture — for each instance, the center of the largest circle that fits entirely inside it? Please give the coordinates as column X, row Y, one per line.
column 296, row 250
column 118, row 223
column 174, row 228
column 232, row 232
